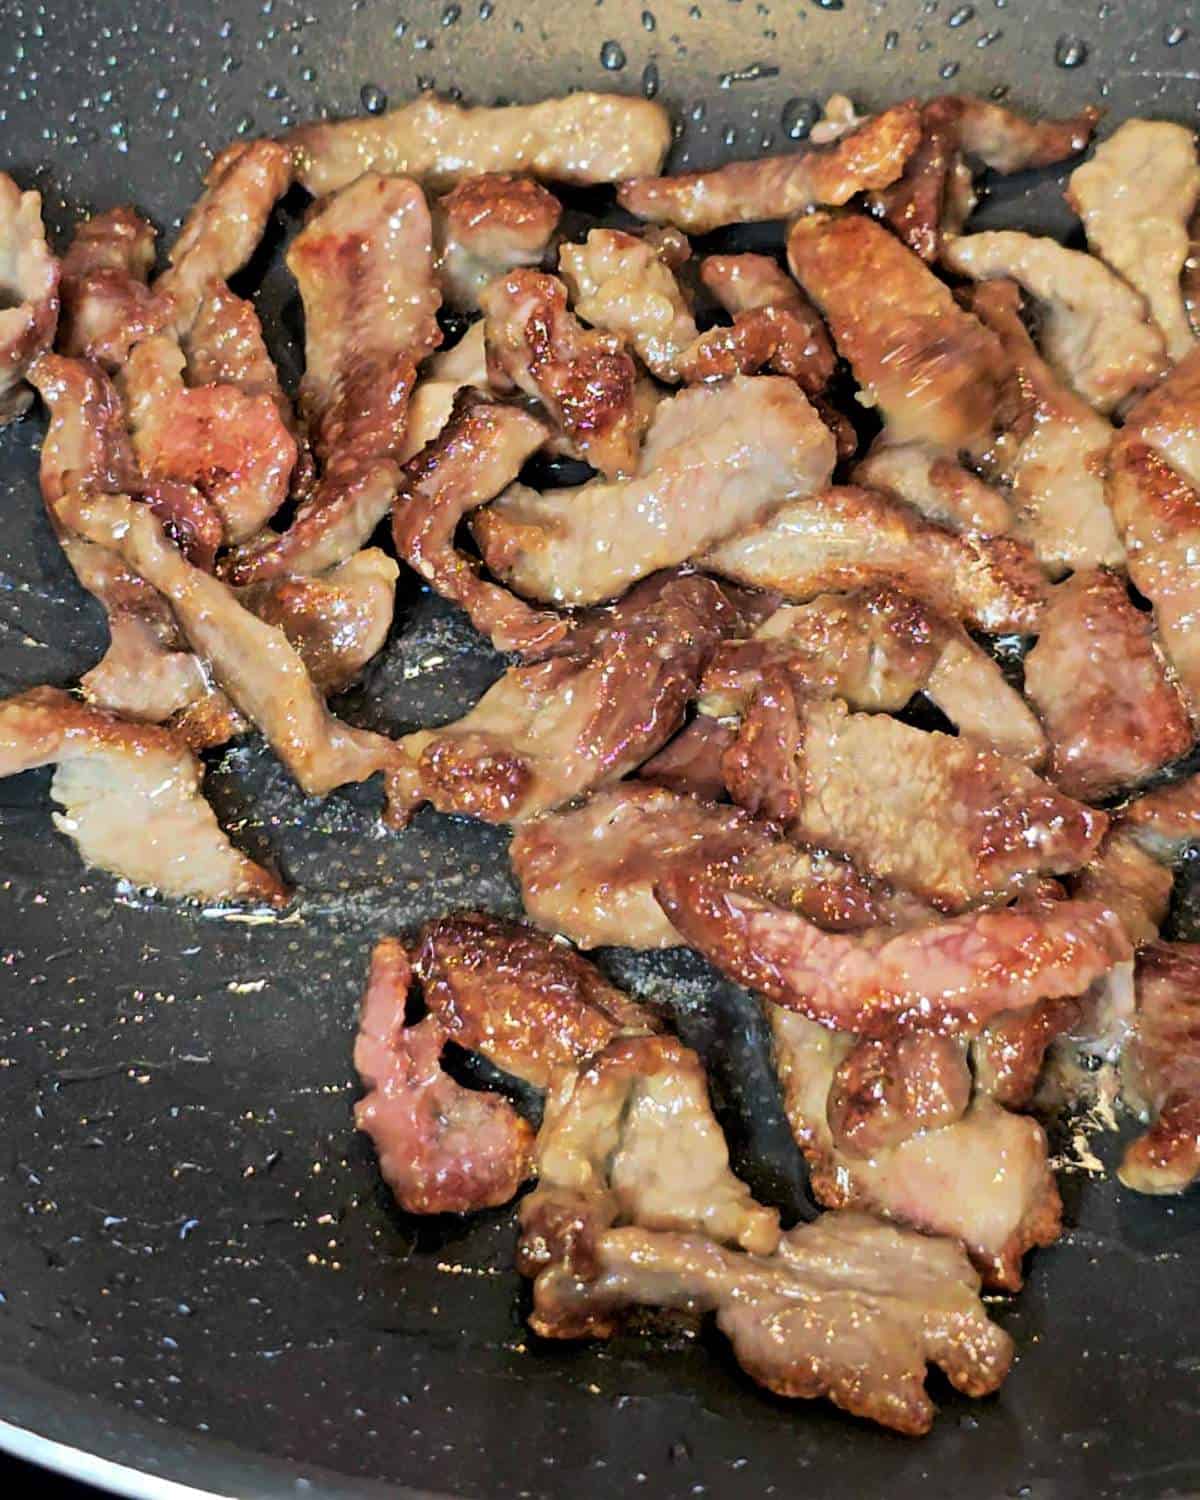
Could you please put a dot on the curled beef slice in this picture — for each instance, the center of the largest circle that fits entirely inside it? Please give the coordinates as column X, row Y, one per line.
column 1154, row 471
column 933, row 371
column 937, row 485
column 584, row 379
column 1096, row 332
column 29, row 277
column 1098, row 680
column 846, row 1307
column 486, row 226
column 364, row 265
column 131, row 799
column 531, row 1005
column 478, row 452
column 935, row 194
column 337, row 621
column 226, row 223
column 944, row 818
column 846, row 537
column 983, row 1180
column 953, row 973
column 630, row 1138
column 589, row 871
column 147, row 672
column 774, row 323
column 1136, row 196
column 107, row 306
column 622, row 283
column 548, row 732
column 251, row 660
column 778, row 187
column 1052, row 456
column 234, row 448
column 1160, row 1070
column 875, row 648
column 716, row 459
column 442, row 1148
column 580, row 138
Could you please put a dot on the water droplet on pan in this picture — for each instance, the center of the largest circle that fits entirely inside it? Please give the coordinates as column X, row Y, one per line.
column 798, row 118
column 891, row 41
column 830, row 4
column 1070, row 52
column 374, row 100
column 451, row 14
column 650, row 80
column 648, row 20
column 961, row 16
column 612, row 56
column 1173, row 35
column 948, row 69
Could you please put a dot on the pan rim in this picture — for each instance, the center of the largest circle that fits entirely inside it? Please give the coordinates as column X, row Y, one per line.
column 100, row 1443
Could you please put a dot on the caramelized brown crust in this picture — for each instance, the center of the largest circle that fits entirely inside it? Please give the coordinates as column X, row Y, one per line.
column 337, row 621
column 478, row 452
column 584, row 379
column 933, row 370
column 531, row 1005
column 589, row 871
column 364, row 264
column 779, row 187
column 954, row 974
column 1008, row 1053
column 889, row 1088
column 488, row 225
column 920, row 206
column 1099, row 683
column 581, row 138
column 691, row 763
column 589, row 715
column 1161, row 1069
column 442, row 1148
column 983, row 1181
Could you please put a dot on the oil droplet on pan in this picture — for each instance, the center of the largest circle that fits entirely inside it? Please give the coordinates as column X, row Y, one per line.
column 612, row 56
column 1070, row 52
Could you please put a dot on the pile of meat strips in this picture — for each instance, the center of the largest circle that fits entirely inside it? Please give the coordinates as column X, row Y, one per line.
column 820, row 488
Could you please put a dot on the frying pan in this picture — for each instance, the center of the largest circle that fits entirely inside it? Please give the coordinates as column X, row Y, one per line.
column 200, row 1277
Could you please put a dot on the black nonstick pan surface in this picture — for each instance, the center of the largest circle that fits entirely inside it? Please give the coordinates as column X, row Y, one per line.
column 200, row 1277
